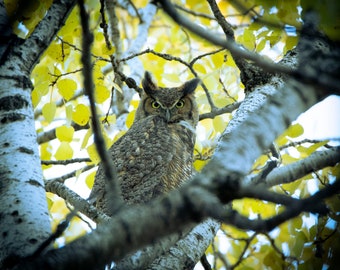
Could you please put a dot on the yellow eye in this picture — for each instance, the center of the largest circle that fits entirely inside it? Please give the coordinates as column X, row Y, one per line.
column 155, row 104
column 180, row 103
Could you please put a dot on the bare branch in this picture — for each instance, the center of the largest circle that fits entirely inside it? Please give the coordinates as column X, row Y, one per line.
column 194, row 13
column 104, row 25
column 64, row 162
column 228, row 44
column 109, row 168
column 79, row 203
column 325, row 80
column 227, row 109
column 46, row 30
column 62, row 179
column 51, row 134
column 289, row 173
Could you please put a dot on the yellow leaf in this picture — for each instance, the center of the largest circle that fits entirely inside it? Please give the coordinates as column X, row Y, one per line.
column 90, row 180
column 281, row 140
column 58, row 206
column 35, row 98
column 101, row 94
column 45, row 153
column 199, row 164
column 260, row 46
column 287, row 159
column 69, row 112
column 221, row 100
column 130, row 118
column 207, row 124
column 171, row 77
column 48, row 111
column 42, row 88
column 117, row 87
column 211, row 81
column 218, row 59
column 249, row 39
column 92, row 151
column 106, row 51
column 294, row 131
column 67, row 88
column 200, row 68
column 64, row 151
column 55, row 51
column 49, row 202
column 81, row 114
column 260, row 162
column 110, row 119
column 219, row 124
column 86, row 138
column 65, row 133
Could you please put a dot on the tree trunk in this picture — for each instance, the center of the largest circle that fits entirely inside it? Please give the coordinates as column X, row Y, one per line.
column 24, row 216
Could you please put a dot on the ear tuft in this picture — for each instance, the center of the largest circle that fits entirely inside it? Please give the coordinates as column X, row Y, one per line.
column 148, row 84
column 190, row 86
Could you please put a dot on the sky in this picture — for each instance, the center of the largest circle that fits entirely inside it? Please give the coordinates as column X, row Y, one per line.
column 322, row 121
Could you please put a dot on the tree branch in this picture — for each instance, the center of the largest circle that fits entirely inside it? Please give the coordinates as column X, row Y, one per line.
column 289, row 173
column 326, row 81
column 228, row 44
column 65, row 162
column 111, row 183
column 78, row 202
column 45, row 31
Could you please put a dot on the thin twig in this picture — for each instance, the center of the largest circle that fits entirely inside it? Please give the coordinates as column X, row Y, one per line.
column 104, row 25
column 228, row 44
column 62, row 226
column 227, row 109
column 64, row 162
column 64, row 177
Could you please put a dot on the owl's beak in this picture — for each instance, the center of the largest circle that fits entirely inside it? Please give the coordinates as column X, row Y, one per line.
column 167, row 115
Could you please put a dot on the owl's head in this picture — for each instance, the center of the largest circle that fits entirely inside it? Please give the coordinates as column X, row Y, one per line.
column 175, row 104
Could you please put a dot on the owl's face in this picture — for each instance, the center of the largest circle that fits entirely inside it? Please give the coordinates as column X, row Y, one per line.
column 174, row 105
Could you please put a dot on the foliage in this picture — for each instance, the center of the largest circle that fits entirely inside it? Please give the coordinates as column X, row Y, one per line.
column 269, row 28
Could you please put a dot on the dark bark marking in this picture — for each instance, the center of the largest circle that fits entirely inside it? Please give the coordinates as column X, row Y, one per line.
column 15, row 213
column 189, row 264
column 33, row 241
column 20, row 81
column 12, row 103
column 199, row 237
column 26, row 150
column 34, row 183
column 11, row 117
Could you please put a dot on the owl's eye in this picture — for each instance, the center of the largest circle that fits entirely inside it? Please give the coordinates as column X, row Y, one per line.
column 180, row 103
column 155, row 104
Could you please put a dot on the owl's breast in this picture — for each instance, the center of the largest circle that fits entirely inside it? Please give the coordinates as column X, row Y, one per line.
column 152, row 158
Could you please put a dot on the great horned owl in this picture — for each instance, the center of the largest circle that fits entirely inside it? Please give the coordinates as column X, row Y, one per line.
column 155, row 155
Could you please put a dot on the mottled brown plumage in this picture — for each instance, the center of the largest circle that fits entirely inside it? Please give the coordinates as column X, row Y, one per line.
column 156, row 153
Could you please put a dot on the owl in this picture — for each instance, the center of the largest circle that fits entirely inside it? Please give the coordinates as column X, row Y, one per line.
column 155, row 155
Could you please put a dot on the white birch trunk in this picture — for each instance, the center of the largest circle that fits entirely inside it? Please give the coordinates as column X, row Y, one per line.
column 24, row 217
